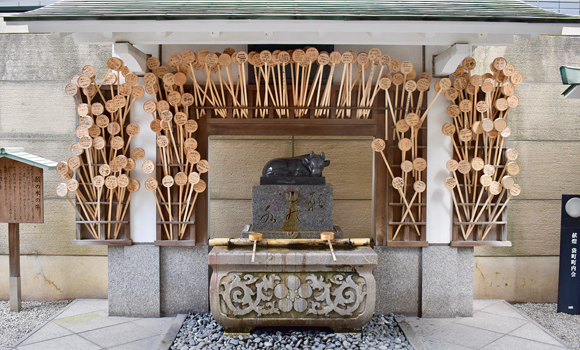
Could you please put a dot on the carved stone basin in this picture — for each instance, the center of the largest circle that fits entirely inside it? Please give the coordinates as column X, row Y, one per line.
column 292, row 287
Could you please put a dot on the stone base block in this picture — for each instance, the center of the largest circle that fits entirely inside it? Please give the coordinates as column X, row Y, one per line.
column 447, row 282
column 398, row 273
column 134, row 281
column 286, row 234
column 292, row 287
column 434, row 281
column 292, row 208
column 150, row 281
column 184, row 280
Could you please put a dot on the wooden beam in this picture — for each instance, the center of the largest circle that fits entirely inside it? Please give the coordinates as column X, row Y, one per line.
column 14, row 259
column 202, row 205
column 291, row 129
column 380, row 186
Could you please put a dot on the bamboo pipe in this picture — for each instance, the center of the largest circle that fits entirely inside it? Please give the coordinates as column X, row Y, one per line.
column 301, row 242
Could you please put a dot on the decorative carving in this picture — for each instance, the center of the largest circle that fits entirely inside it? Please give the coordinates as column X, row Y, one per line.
column 307, row 295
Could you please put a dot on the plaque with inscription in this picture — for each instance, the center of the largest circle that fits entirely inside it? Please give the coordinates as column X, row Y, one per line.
column 21, row 192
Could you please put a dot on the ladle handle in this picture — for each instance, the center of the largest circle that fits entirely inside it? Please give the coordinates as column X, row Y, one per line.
column 331, row 250
column 254, row 250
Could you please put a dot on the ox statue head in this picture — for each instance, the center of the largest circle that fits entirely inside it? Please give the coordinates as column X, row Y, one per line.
column 316, row 163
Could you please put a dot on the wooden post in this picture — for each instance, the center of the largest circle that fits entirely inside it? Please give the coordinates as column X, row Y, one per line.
column 14, row 258
column 21, row 201
column 202, row 207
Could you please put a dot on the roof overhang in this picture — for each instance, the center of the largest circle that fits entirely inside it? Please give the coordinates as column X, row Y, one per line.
column 292, row 31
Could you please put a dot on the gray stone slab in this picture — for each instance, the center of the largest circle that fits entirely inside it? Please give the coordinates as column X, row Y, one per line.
column 546, row 51
column 37, row 57
column 155, row 326
column 184, row 280
column 509, row 343
column 134, row 278
column 68, row 342
column 292, row 207
column 90, row 321
column 116, row 274
column 533, row 332
column 412, row 337
column 148, row 343
column 50, row 331
column 108, row 337
column 473, row 338
column 169, row 337
column 398, row 273
column 82, row 307
column 439, row 280
column 464, row 288
column 447, row 281
column 338, row 234
column 491, row 322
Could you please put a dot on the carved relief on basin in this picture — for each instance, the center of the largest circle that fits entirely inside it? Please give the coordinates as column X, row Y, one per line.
column 296, row 295
column 292, row 287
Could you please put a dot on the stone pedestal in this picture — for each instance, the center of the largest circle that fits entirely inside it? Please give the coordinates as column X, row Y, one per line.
column 398, row 275
column 434, row 281
column 151, row 281
column 292, row 287
column 447, row 282
column 292, row 208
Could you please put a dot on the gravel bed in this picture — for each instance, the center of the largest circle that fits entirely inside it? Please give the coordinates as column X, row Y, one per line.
column 15, row 325
column 200, row 331
column 564, row 326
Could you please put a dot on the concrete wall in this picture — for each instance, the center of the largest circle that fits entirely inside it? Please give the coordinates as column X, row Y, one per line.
column 546, row 133
column 36, row 114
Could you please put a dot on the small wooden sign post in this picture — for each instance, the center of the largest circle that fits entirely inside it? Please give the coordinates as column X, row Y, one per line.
column 21, row 201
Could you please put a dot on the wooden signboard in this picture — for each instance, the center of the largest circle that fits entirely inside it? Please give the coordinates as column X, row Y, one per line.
column 20, row 192
column 21, row 201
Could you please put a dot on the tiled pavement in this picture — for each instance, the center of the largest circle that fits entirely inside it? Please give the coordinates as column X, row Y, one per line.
column 85, row 324
column 495, row 325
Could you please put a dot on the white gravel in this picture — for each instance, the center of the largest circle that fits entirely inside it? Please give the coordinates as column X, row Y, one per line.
column 564, row 326
column 15, row 325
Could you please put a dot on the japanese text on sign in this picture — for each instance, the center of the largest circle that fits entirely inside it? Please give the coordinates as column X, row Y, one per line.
column 573, row 259
column 20, row 192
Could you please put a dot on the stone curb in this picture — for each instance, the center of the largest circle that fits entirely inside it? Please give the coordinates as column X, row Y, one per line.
column 21, row 340
column 413, row 339
column 171, row 333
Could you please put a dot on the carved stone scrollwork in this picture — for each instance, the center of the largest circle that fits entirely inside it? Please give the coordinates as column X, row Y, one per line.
column 306, row 295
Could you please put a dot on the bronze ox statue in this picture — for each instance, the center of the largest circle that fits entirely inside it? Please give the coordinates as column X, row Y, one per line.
column 301, row 166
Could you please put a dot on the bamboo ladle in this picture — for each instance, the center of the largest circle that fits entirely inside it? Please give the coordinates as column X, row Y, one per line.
column 255, row 237
column 328, row 236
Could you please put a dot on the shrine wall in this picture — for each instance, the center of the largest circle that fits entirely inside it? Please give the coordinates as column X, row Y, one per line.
column 546, row 133
column 37, row 115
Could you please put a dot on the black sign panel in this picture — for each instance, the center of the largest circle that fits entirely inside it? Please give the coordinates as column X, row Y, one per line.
column 569, row 282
